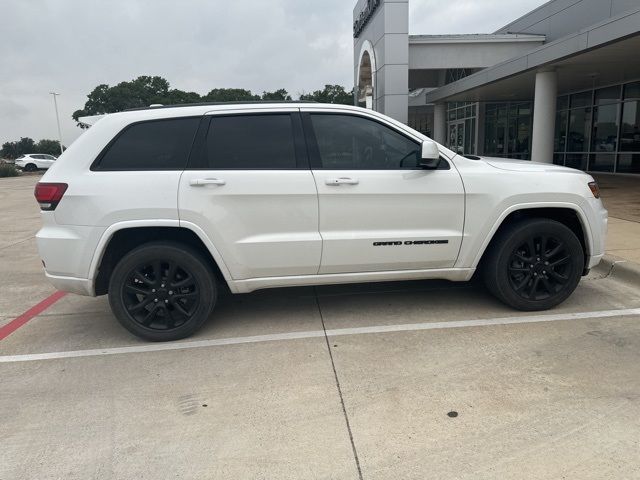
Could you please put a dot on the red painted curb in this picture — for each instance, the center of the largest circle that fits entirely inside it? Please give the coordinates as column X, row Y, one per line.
column 34, row 311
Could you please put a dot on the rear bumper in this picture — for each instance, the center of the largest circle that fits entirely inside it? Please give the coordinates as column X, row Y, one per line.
column 66, row 252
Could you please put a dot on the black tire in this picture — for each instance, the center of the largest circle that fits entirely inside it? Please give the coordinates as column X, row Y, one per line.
column 30, row 167
column 533, row 264
column 162, row 291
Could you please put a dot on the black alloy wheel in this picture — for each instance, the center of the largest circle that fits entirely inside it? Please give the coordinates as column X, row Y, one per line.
column 161, row 295
column 540, row 267
column 533, row 264
column 162, row 291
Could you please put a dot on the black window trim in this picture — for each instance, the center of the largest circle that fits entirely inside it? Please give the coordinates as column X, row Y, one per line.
column 198, row 160
column 314, row 151
column 95, row 166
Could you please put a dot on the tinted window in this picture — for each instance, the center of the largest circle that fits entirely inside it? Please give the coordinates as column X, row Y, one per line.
column 251, row 141
column 155, row 145
column 350, row 142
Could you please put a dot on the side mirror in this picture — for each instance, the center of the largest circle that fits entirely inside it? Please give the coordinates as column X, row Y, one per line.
column 430, row 158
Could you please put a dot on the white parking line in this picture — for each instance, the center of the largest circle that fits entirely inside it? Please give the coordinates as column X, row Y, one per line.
column 319, row 333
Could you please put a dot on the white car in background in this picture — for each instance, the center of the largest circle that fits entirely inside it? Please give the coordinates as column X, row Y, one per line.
column 35, row 161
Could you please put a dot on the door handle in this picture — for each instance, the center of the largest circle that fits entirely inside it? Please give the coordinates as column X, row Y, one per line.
column 200, row 182
column 341, row 181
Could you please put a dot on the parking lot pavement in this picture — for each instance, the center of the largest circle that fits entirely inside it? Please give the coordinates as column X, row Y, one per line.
column 21, row 280
column 335, row 382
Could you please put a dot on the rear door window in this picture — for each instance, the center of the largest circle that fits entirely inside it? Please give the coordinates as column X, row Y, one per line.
column 256, row 142
column 152, row 145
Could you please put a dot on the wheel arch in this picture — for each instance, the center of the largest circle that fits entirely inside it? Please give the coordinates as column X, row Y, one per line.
column 570, row 215
column 119, row 239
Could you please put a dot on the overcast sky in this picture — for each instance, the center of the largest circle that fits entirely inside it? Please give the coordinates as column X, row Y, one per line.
column 70, row 46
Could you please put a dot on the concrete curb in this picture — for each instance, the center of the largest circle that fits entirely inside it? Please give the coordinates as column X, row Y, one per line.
column 619, row 268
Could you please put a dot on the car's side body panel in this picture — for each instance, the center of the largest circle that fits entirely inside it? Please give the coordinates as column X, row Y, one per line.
column 265, row 229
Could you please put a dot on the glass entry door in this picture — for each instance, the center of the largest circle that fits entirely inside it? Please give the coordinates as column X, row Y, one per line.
column 457, row 138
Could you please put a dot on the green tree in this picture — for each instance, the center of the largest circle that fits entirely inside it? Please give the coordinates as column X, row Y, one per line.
column 330, row 94
column 15, row 149
column 278, row 95
column 50, row 147
column 230, row 95
column 9, row 150
column 140, row 92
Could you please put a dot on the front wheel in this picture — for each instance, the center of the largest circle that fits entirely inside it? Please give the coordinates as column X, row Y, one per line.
column 30, row 167
column 162, row 291
column 534, row 264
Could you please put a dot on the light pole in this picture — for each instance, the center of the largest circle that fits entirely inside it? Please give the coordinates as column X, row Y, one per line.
column 55, row 104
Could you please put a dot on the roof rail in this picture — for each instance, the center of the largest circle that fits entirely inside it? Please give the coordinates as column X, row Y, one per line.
column 204, row 104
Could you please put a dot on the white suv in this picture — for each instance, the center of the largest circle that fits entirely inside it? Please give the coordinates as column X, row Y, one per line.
column 35, row 161
column 158, row 207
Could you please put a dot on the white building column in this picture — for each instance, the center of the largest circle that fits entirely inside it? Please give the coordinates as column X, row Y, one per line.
column 440, row 123
column 544, row 116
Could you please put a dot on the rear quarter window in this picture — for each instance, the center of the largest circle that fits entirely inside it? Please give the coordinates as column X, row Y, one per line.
column 151, row 145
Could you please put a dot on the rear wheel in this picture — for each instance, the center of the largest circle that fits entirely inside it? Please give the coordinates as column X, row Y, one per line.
column 534, row 264
column 162, row 291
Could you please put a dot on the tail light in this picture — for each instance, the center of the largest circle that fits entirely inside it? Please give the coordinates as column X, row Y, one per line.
column 48, row 195
column 595, row 189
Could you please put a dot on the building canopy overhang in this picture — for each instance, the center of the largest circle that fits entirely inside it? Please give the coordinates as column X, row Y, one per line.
column 602, row 54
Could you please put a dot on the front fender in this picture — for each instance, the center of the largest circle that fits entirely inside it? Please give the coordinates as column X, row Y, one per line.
column 472, row 256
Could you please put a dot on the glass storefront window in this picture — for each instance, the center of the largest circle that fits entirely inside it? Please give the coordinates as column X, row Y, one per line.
column 629, row 163
column 560, row 137
column 576, row 160
column 581, row 99
column 600, row 129
column 607, row 95
column 578, row 135
column 631, row 91
column 605, row 128
column 630, row 131
column 602, row 162
column 562, row 103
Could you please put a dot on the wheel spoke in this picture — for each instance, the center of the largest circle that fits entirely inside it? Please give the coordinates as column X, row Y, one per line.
column 171, row 273
column 522, row 258
column 534, row 288
column 169, row 319
column 189, row 295
column 142, row 278
column 519, row 269
column 139, row 306
column 157, row 271
column 562, row 261
column 185, row 282
column 136, row 290
column 547, row 285
column 524, row 282
column 532, row 247
column 180, row 308
column 556, row 250
column 149, row 317
column 558, row 277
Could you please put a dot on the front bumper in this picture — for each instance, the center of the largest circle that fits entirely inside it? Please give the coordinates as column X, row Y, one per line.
column 81, row 286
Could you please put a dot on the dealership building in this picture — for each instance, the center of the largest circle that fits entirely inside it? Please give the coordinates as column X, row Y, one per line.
column 560, row 84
